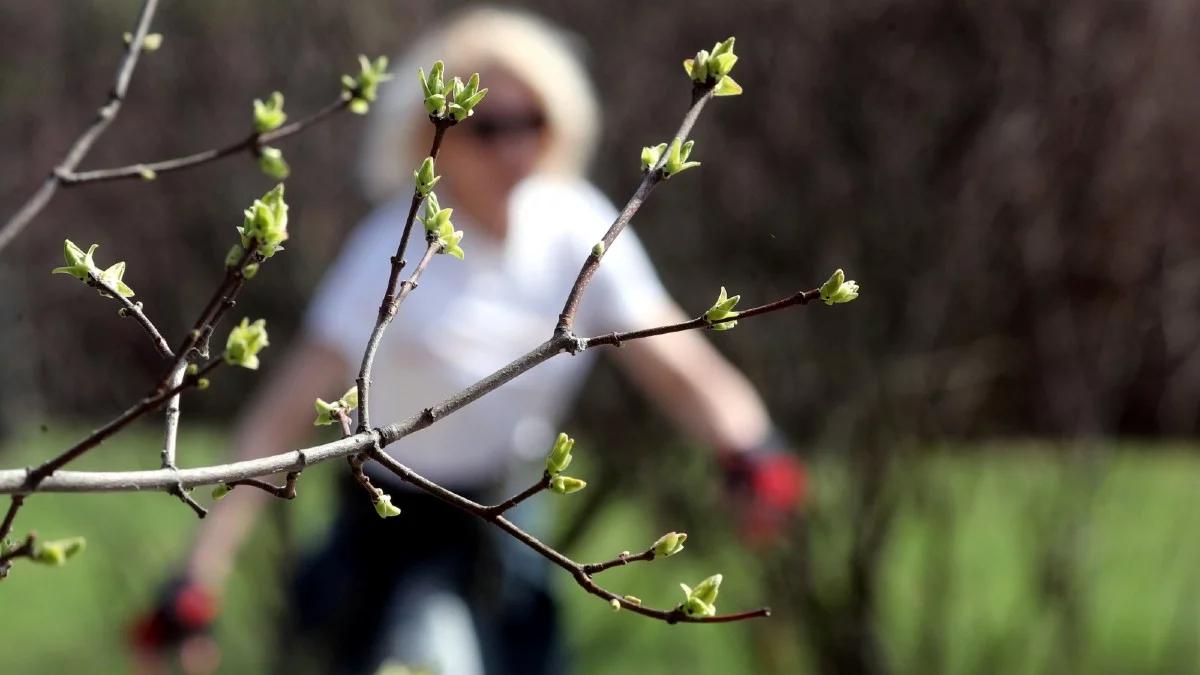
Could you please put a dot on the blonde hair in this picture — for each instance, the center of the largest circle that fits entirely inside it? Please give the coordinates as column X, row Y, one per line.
column 539, row 54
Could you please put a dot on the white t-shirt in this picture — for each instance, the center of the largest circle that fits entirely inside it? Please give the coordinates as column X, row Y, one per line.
column 467, row 318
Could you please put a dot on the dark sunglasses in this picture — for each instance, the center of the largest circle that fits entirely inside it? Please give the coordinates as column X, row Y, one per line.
column 488, row 128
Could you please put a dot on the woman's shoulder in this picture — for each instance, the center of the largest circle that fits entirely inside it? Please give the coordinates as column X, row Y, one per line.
column 558, row 195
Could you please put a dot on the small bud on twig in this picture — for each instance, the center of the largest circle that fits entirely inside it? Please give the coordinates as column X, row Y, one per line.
column 721, row 310
column 669, row 544
column 245, row 341
column 838, row 290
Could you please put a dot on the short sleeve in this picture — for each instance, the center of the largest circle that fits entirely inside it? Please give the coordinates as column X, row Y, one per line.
column 346, row 302
column 626, row 293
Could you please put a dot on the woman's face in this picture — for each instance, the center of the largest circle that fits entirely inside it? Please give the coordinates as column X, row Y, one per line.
column 485, row 156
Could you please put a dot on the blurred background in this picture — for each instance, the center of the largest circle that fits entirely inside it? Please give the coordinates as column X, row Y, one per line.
column 1001, row 429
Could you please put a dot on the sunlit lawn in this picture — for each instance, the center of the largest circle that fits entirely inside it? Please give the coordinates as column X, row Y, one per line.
column 1135, row 517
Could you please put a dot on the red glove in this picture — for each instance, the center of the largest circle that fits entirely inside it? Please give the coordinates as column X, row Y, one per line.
column 768, row 486
column 180, row 623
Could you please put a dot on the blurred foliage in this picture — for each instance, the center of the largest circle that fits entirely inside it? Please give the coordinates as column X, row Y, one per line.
column 1007, row 180
column 963, row 582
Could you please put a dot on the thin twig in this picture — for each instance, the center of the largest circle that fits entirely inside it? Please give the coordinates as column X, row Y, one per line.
column 134, row 309
column 171, row 417
column 25, row 550
column 652, row 177
column 104, row 117
column 285, row 491
column 391, row 297
column 623, row 559
column 616, row 339
column 11, row 515
column 195, row 343
column 499, row 509
column 578, row 572
column 253, row 143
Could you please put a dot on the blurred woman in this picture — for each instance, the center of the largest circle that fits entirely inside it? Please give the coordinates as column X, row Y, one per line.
column 434, row 588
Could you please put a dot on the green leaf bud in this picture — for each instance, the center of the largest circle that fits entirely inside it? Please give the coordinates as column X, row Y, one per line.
column 245, row 341
column 698, row 67
column 271, row 162
column 152, row 42
column 220, row 490
column 651, row 156
column 677, row 158
column 147, row 173
column 702, row 600
column 269, row 115
column 838, row 290
column 79, row 264
column 598, row 249
column 616, row 604
column 327, row 413
column 633, row 600
column 565, row 485
column 722, row 309
column 669, row 544
column 435, row 105
column 362, row 88
column 83, row 266
column 384, row 506
column 560, row 454
column 57, row 552
column 726, row 86
column 235, row 255
column 266, row 222
column 425, row 177
column 113, row 277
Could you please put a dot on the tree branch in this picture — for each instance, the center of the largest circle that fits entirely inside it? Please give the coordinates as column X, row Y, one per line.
column 578, row 572
column 391, row 300
column 222, row 300
column 543, row 483
column 104, row 117
column 253, row 143
column 25, row 550
column 11, row 515
column 623, row 559
column 616, row 339
column 652, row 177
column 134, row 309
column 13, row 480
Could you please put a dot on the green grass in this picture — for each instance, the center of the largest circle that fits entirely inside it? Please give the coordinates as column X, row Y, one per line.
column 960, row 588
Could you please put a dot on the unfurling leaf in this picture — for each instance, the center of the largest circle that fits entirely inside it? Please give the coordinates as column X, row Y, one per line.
column 361, row 89
column 721, row 310
column 669, row 544
column 271, row 162
column 565, row 485
column 560, row 454
column 57, row 552
column 384, row 506
column 269, row 115
column 702, row 600
column 838, row 289
column 245, row 341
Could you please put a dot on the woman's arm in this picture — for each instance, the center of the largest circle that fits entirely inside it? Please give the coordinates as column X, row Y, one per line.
column 686, row 377
column 279, row 416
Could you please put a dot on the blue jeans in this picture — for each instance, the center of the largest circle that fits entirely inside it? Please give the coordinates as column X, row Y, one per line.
column 433, row 587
